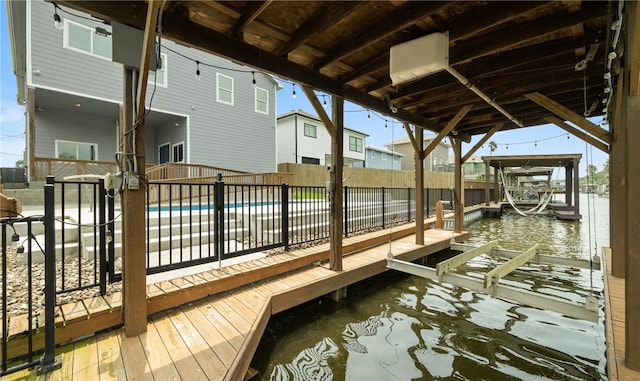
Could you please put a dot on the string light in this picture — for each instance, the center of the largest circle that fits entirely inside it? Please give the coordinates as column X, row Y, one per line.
column 507, row 147
column 385, row 124
column 57, row 21
column 324, row 101
column 198, row 70
column 567, row 136
column 368, row 115
column 293, row 94
column 536, row 144
column 253, row 74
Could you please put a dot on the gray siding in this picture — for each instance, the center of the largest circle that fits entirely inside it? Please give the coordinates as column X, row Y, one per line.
column 77, row 128
column 227, row 136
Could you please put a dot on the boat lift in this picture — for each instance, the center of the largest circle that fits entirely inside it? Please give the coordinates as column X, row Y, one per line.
column 491, row 282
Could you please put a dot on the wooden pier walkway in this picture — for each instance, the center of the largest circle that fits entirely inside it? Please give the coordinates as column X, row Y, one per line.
column 615, row 324
column 215, row 337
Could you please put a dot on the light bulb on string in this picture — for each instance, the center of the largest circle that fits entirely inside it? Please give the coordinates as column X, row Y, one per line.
column 293, row 94
column 567, row 136
column 57, row 21
column 507, row 147
column 536, row 144
column 385, row 124
column 198, row 70
column 324, row 101
column 253, row 74
column 368, row 115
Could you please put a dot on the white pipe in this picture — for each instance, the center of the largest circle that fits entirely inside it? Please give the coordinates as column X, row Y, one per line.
column 482, row 95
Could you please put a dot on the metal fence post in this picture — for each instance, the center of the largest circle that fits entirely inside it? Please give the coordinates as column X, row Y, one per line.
column 102, row 220
column 284, row 215
column 383, row 208
column 346, row 211
column 49, row 361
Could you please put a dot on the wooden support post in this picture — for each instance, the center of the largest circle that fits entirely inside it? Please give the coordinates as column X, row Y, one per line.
column 631, row 116
column 133, row 238
column 497, row 196
column 134, row 278
column 618, row 189
column 337, row 155
column 419, row 168
column 487, row 188
column 458, row 224
column 31, row 134
column 576, row 187
column 568, row 185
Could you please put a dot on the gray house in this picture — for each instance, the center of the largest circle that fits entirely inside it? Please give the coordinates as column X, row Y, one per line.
column 72, row 89
column 382, row 158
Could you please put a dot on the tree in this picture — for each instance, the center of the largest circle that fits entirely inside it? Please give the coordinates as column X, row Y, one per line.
column 591, row 171
column 20, row 163
column 492, row 146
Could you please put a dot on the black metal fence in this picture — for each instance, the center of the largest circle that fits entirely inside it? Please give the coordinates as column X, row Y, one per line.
column 193, row 223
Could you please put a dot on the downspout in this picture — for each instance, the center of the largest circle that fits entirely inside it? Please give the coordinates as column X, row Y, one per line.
column 295, row 139
column 466, row 82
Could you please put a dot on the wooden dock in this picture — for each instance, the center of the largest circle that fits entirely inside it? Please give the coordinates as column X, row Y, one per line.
column 215, row 337
column 615, row 324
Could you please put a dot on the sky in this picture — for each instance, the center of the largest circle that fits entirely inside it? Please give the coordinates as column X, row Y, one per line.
column 547, row 139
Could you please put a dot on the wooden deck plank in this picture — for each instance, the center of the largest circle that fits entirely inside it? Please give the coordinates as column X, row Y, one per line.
column 207, row 359
column 110, row 366
column 85, row 360
column 160, row 362
column 217, row 319
column 66, row 371
column 188, row 367
column 134, row 358
column 216, row 340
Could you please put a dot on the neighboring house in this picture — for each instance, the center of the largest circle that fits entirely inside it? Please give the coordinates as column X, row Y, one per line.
column 435, row 161
column 382, row 158
column 474, row 167
column 223, row 119
column 302, row 138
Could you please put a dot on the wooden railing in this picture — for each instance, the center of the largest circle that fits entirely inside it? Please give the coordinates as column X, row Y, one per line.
column 61, row 168
column 173, row 171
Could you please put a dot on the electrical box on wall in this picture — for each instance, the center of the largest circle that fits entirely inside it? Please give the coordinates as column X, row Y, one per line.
column 127, row 47
column 418, row 58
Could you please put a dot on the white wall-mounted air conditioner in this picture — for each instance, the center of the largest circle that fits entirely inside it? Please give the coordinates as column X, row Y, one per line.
column 418, row 58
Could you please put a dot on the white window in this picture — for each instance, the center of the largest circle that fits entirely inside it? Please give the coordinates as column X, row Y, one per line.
column 355, row 144
column 262, row 101
column 76, row 150
column 86, row 40
column 396, row 158
column 372, row 154
column 160, row 75
column 225, row 89
column 310, row 130
column 383, row 156
column 178, row 153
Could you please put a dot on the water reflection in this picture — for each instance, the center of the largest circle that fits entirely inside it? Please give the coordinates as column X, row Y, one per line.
column 398, row 327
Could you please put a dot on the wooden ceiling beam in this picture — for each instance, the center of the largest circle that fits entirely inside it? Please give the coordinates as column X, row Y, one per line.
column 519, row 34
column 329, row 14
column 403, row 17
column 252, row 10
column 577, row 133
column 571, row 116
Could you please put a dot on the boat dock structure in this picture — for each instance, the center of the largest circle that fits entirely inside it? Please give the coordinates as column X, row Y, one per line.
column 462, row 71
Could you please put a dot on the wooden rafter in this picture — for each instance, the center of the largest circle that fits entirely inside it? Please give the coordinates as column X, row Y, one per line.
column 569, row 115
column 412, row 139
column 252, row 10
column 406, row 15
column 329, row 14
column 577, row 133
